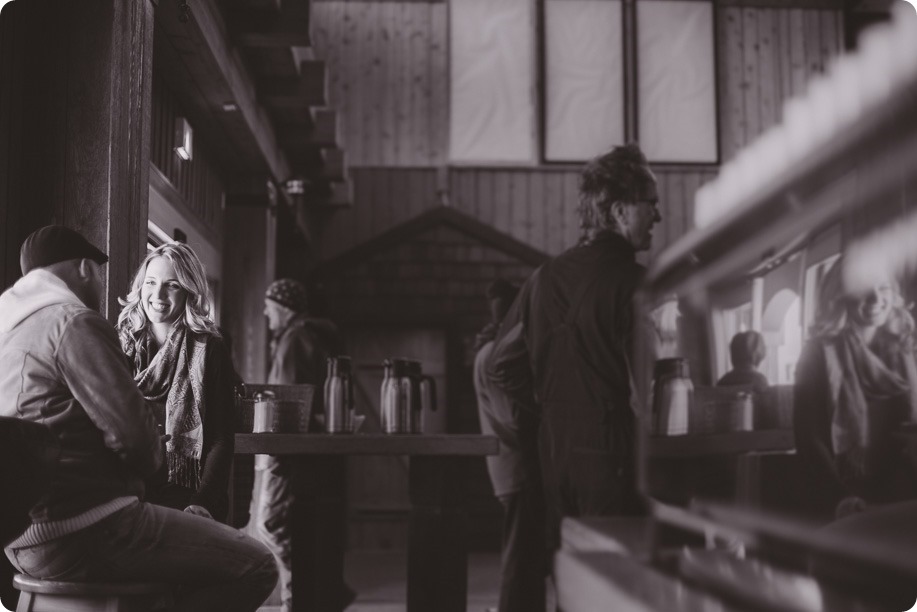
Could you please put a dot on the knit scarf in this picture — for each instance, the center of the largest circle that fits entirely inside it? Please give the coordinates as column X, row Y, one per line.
column 865, row 384
column 175, row 375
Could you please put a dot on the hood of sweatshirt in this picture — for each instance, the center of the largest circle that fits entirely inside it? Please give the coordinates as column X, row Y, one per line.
column 36, row 290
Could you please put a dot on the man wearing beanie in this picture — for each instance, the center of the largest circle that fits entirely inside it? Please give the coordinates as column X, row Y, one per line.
column 514, row 472
column 61, row 365
column 300, row 347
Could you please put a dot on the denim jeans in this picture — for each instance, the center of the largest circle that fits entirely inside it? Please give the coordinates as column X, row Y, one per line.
column 269, row 522
column 217, row 567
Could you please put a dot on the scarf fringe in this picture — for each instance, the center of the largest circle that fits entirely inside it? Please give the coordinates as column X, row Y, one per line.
column 184, row 471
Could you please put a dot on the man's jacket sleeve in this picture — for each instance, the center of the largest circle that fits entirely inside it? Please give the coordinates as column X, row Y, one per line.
column 93, row 366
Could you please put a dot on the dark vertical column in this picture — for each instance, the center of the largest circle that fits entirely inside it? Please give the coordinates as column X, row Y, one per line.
column 437, row 548
column 631, row 93
column 75, row 127
column 250, row 239
column 318, row 529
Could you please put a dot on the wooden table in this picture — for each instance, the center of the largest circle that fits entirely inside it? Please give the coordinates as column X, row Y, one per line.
column 437, row 552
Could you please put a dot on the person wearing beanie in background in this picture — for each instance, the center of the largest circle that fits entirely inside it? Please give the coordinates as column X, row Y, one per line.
column 61, row 365
column 513, row 472
column 300, row 347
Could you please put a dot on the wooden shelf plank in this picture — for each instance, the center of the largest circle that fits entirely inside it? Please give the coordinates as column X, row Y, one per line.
column 471, row 445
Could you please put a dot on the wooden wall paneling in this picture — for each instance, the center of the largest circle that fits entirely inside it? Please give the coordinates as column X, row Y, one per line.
column 693, row 181
column 571, row 204
column 502, row 201
column 732, row 77
column 519, row 205
column 553, row 213
column 797, row 47
column 438, row 83
column 782, row 44
column 385, row 60
column 813, row 43
column 677, row 192
column 461, row 189
column 375, row 87
column 751, row 84
column 769, row 67
column 417, row 58
column 378, row 195
column 400, row 60
column 533, row 231
column 832, row 33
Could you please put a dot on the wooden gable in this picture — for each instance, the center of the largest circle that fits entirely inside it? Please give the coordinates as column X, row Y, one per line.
column 433, row 269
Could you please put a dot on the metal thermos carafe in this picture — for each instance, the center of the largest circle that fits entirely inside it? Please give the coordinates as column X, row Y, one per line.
column 426, row 397
column 397, row 396
column 339, row 396
column 673, row 394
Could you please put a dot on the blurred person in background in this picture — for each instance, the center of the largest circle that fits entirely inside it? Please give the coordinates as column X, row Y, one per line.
column 300, row 347
column 856, row 382
column 747, row 351
column 185, row 372
column 514, row 472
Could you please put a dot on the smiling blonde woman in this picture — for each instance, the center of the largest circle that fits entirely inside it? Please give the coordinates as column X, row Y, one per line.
column 184, row 371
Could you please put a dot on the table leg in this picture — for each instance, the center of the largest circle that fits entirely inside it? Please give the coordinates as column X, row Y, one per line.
column 319, row 520
column 437, row 549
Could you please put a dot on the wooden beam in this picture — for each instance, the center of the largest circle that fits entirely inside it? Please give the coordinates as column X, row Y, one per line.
column 204, row 48
column 334, row 167
column 286, row 27
column 308, row 89
column 325, row 127
column 341, row 194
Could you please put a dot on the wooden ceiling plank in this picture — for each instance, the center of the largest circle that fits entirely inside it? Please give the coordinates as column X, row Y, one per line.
column 334, row 166
column 288, row 27
column 308, row 89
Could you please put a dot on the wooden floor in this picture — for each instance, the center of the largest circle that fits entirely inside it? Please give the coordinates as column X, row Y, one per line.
column 379, row 578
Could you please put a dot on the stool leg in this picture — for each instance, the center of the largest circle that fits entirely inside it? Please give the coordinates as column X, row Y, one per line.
column 25, row 601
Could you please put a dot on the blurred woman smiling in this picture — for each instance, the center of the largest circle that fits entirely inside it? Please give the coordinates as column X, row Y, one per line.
column 856, row 382
column 183, row 368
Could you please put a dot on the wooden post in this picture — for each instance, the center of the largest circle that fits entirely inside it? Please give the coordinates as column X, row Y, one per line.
column 250, row 236
column 437, row 549
column 75, row 97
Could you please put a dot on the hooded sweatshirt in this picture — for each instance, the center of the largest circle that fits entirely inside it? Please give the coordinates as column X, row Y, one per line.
column 61, row 365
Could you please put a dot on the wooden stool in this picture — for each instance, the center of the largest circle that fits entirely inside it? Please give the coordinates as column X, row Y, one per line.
column 53, row 596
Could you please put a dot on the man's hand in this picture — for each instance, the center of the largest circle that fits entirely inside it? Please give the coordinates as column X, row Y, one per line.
column 198, row 511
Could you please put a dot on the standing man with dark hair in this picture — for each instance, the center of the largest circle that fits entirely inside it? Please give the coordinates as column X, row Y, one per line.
column 514, row 472
column 578, row 326
column 300, row 347
column 61, row 365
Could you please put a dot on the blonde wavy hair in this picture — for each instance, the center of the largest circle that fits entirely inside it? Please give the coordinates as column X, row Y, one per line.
column 834, row 306
column 189, row 271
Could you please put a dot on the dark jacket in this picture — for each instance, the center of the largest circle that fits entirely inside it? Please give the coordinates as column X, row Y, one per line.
column 218, row 444
column 744, row 377
column 578, row 325
column 299, row 355
column 822, row 380
column 61, row 365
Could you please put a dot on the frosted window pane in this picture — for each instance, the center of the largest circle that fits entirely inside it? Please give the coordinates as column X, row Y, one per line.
column 677, row 105
column 584, row 78
column 492, row 55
